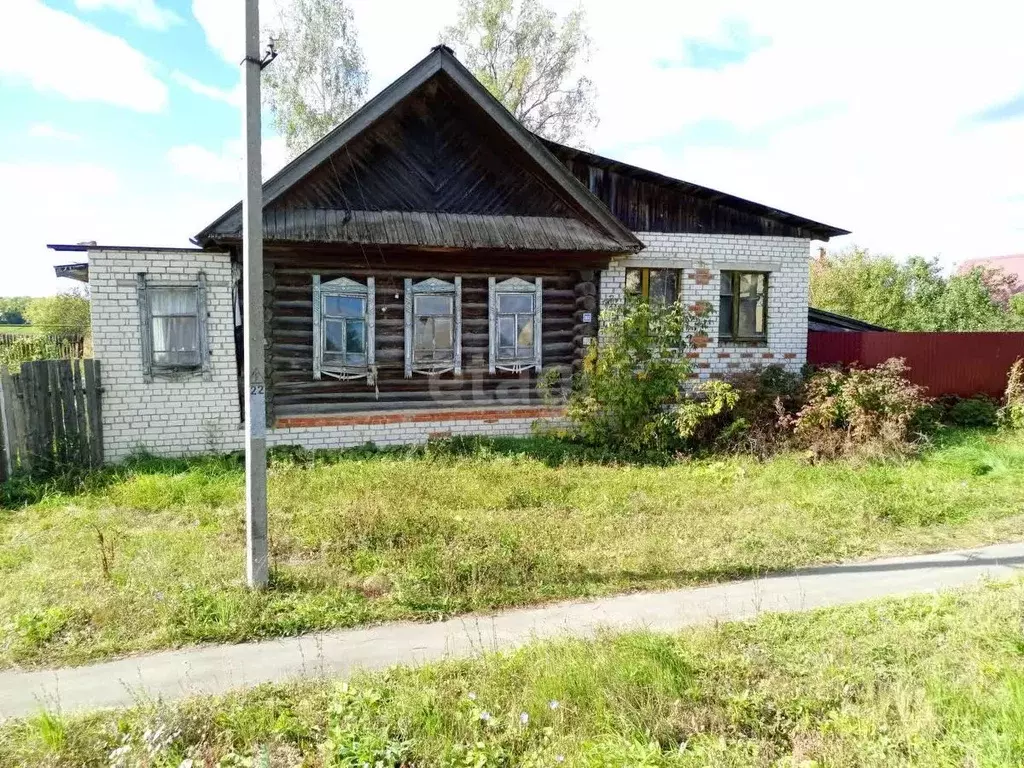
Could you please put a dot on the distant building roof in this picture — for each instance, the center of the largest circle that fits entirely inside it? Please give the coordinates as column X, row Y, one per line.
column 820, row 320
column 1012, row 264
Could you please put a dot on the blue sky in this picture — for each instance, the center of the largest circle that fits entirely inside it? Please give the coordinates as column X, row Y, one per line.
column 903, row 122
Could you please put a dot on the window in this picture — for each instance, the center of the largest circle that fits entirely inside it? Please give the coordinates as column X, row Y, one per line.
column 343, row 328
column 660, row 285
column 433, row 327
column 173, row 325
column 743, row 306
column 514, row 309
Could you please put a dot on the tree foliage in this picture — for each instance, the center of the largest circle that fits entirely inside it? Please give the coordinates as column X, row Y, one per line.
column 529, row 62
column 12, row 310
column 320, row 76
column 914, row 295
column 64, row 314
column 630, row 396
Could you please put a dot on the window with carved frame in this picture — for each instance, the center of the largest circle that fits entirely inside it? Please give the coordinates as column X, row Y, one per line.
column 343, row 328
column 515, row 315
column 433, row 327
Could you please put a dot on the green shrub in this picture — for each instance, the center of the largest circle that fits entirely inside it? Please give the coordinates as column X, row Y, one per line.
column 868, row 412
column 1011, row 415
column 977, row 411
column 756, row 417
column 624, row 396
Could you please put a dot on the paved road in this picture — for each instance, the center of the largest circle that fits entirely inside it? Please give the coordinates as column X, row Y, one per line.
column 212, row 669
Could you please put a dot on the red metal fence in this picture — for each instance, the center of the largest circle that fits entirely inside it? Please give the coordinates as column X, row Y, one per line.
column 947, row 363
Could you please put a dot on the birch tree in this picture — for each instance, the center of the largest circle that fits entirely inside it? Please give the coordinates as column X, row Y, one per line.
column 319, row 77
column 530, row 62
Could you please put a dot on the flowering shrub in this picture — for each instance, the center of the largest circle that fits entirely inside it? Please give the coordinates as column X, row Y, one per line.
column 874, row 411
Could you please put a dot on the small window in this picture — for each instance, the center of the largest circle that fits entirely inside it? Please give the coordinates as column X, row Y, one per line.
column 433, row 327
column 343, row 328
column 173, row 323
column 660, row 285
column 174, row 315
column 515, row 324
column 743, row 306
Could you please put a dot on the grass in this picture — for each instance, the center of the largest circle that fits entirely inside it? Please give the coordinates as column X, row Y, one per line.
column 925, row 681
column 150, row 555
column 21, row 330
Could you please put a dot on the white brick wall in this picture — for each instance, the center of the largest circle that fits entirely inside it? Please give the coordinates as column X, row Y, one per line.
column 165, row 416
column 786, row 258
column 400, row 434
column 190, row 414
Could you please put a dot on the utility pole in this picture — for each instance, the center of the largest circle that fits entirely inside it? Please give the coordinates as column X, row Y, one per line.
column 256, row 565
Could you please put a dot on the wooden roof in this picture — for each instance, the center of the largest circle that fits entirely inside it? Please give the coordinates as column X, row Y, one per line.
column 434, row 160
column 646, row 201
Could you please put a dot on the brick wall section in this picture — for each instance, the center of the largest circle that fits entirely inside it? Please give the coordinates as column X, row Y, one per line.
column 701, row 259
column 167, row 417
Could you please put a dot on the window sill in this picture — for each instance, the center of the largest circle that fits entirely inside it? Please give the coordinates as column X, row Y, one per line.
column 751, row 343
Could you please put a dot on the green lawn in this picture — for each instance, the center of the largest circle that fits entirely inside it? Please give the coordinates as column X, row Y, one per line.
column 927, row 681
column 423, row 535
column 23, row 330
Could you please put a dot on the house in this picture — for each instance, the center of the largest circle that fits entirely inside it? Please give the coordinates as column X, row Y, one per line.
column 426, row 264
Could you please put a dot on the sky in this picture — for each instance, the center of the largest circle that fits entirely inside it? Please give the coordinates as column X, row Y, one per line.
column 902, row 121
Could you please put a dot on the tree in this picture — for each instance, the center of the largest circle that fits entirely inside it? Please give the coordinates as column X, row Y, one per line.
column 913, row 295
column 12, row 310
column 529, row 63
column 66, row 313
column 320, row 77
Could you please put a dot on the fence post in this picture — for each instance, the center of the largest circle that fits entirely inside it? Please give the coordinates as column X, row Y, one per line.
column 92, row 399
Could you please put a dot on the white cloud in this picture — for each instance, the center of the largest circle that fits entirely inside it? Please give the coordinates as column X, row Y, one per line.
column 233, row 96
column 49, row 131
column 227, row 166
column 146, row 13
column 78, row 61
column 86, row 201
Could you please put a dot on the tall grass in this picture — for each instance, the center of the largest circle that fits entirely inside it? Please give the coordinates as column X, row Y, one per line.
column 926, row 681
column 150, row 555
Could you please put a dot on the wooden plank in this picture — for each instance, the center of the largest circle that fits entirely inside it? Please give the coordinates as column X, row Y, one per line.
column 81, row 418
column 93, row 405
column 15, row 399
column 7, row 458
column 54, row 414
column 67, row 407
column 30, row 409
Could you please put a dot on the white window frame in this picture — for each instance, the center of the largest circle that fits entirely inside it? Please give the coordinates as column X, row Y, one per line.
column 514, row 285
column 341, row 287
column 433, row 287
column 151, row 367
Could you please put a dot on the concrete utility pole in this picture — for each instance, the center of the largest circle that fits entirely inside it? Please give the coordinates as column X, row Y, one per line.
column 252, row 259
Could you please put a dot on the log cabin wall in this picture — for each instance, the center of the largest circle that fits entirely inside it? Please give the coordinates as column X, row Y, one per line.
column 568, row 293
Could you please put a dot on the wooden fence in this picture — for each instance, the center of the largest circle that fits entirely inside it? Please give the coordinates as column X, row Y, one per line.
column 50, row 417
column 963, row 364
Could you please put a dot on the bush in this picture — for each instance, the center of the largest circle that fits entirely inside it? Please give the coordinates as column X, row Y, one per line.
column 624, row 397
column 1011, row 415
column 757, row 417
column 866, row 412
column 977, row 411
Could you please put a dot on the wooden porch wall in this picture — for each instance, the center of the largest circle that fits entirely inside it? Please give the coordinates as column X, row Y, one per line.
column 289, row 322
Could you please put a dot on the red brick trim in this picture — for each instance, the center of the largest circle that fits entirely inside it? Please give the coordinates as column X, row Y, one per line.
column 490, row 415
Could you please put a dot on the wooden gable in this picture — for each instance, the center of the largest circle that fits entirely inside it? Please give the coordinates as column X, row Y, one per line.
column 433, row 161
